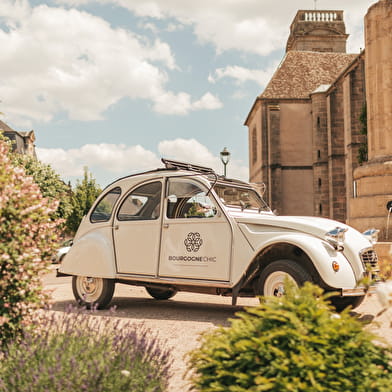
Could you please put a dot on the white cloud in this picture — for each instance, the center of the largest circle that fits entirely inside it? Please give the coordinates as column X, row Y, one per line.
column 242, row 75
column 208, row 101
column 180, row 104
column 245, row 25
column 110, row 161
column 57, row 60
column 106, row 161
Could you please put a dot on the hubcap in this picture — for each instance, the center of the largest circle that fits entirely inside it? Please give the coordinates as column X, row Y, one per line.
column 274, row 284
column 89, row 288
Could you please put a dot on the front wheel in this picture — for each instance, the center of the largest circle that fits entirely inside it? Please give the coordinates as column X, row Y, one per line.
column 274, row 275
column 341, row 303
column 92, row 292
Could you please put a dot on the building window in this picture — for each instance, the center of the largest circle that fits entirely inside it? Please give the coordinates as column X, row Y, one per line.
column 318, row 154
column 320, row 209
column 319, row 182
column 254, row 145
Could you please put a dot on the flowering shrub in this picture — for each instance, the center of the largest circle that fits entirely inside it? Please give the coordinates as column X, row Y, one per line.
column 48, row 181
column 77, row 352
column 292, row 343
column 27, row 239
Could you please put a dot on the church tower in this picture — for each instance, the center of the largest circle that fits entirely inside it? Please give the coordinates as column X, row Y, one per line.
column 318, row 31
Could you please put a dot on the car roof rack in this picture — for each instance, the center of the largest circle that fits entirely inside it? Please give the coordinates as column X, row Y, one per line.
column 169, row 164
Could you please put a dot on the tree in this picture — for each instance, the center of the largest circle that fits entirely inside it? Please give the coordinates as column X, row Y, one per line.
column 49, row 182
column 28, row 237
column 83, row 197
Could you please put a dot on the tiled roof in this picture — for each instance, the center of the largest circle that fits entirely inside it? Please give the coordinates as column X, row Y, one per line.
column 300, row 73
column 5, row 127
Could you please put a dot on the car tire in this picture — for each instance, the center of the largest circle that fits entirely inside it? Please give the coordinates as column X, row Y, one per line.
column 272, row 277
column 161, row 294
column 92, row 292
column 341, row 303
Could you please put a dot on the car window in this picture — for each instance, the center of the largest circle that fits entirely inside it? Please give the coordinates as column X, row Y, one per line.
column 143, row 203
column 244, row 198
column 103, row 210
column 188, row 200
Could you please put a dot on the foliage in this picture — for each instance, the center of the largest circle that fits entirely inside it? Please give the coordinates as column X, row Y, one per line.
column 292, row 343
column 83, row 198
column 363, row 148
column 28, row 237
column 49, row 182
column 77, row 352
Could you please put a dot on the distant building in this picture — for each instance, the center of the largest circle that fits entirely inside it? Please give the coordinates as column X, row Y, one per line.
column 304, row 129
column 22, row 142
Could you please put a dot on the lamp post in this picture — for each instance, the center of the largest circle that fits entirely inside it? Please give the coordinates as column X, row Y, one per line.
column 225, row 158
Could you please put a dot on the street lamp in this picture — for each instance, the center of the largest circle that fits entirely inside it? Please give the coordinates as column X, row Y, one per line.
column 225, row 158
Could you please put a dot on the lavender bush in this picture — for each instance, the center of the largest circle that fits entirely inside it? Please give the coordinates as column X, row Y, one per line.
column 81, row 352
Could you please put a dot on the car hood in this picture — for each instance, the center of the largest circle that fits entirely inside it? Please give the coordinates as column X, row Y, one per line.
column 305, row 224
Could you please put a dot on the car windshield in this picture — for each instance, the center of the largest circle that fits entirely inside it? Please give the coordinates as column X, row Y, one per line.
column 244, row 198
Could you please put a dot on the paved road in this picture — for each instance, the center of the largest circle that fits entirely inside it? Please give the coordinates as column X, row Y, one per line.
column 179, row 321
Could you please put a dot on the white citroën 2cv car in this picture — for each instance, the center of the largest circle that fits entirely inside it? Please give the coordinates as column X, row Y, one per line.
column 184, row 228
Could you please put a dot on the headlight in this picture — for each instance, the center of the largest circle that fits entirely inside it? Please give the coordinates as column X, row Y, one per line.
column 336, row 237
column 371, row 235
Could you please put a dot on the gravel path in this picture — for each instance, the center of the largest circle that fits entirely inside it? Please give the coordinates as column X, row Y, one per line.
column 179, row 321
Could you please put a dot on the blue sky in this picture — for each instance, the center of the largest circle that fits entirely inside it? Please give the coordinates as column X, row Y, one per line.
column 114, row 85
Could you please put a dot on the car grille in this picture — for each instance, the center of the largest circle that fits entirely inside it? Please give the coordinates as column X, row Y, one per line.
column 370, row 260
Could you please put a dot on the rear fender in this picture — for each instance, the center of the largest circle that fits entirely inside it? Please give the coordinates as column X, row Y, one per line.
column 92, row 254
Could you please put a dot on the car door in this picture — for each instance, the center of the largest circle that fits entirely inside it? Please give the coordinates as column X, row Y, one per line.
column 137, row 229
column 196, row 236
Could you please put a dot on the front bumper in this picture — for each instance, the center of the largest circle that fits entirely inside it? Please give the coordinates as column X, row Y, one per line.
column 358, row 291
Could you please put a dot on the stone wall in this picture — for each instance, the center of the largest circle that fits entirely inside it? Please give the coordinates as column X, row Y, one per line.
column 336, row 158
column 378, row 39
column 318, row 31
column 374, row 179
column 320, row 154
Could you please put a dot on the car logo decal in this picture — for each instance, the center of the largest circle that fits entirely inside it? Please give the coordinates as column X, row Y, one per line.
column 193, row 242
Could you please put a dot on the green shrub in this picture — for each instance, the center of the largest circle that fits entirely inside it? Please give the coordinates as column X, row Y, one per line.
column 80, row 352
column 48, row 181
column 292, row 343
column 28, row 237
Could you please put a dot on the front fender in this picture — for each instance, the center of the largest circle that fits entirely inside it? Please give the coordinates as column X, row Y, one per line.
column 319, row 252
column 92, row 254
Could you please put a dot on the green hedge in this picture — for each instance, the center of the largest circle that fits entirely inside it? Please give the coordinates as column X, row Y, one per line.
column 291, row 343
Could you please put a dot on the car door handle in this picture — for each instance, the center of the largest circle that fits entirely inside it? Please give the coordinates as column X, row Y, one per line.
column 165, row 225
column 115, row 227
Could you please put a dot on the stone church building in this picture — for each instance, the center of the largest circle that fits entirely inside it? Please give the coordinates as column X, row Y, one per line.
column 297, row 125
column 305, row 132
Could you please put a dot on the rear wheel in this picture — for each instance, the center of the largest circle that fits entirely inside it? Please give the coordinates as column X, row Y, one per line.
column 92, row 292
column 164, row 293
column 273, row 277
